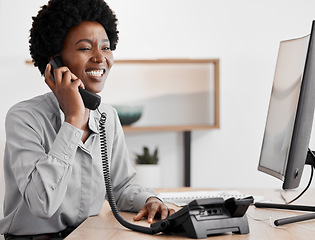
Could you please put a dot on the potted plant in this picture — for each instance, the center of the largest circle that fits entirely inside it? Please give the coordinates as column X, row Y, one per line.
column 148, row 170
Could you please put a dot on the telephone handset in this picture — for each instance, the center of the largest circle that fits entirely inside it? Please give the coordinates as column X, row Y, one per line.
column 90, row 100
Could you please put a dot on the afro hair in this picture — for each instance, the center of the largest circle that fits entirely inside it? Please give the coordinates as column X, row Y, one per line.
column 54, row 20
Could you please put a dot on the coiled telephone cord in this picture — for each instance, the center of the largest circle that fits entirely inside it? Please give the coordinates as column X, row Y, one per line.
column 108, row 184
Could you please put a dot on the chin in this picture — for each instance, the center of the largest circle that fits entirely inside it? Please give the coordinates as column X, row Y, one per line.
column 98, row 91
column 95, row 89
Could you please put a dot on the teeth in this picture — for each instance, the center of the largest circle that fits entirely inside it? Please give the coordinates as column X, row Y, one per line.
column 95, row 73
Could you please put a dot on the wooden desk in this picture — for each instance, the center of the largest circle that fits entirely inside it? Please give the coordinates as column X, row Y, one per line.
column 105, row 226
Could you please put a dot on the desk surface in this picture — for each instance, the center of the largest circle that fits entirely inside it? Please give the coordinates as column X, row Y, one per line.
column 105, row 226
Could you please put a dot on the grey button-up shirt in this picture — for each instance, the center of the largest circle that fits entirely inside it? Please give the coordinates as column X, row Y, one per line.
column 52, row 179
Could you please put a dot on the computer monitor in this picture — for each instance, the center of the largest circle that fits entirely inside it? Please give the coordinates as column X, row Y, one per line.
column 285, row 146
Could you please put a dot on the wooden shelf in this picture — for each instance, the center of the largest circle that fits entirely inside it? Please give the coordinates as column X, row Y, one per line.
column 168, row 128
column 167, row 60
column 181, row 128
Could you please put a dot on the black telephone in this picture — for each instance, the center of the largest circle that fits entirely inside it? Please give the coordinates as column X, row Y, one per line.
column 90, row 100
column 208, row 216
column 198, row 219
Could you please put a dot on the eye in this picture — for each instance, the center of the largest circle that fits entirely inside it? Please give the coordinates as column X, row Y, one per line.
column 84, row 49
column 106, row 46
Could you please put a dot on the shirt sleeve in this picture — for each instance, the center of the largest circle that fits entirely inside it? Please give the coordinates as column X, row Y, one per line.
column 41, row 174
column 129, row 195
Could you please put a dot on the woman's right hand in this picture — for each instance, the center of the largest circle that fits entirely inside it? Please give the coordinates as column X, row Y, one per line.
column 65, row 88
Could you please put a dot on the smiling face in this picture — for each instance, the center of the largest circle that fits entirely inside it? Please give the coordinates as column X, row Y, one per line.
column 86, row 52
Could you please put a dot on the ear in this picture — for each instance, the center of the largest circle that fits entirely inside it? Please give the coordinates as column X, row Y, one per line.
column 57, row 55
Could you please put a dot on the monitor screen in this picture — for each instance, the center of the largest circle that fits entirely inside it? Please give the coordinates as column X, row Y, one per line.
column 290, row 114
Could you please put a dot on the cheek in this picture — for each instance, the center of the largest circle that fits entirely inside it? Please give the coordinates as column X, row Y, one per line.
column 110, row 60
column 75, row 64
column 77, row 68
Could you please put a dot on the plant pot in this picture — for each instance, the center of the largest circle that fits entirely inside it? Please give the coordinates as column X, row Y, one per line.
column 148, row 175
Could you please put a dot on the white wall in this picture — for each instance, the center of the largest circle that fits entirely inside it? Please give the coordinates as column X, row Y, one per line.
column 243, row 34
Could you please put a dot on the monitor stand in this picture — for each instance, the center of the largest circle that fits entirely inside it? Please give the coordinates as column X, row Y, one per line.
column 310, row 160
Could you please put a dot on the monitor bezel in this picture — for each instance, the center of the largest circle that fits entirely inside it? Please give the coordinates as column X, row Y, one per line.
column 303, row 122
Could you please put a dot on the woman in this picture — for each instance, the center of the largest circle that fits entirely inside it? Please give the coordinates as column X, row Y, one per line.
column 53, row 168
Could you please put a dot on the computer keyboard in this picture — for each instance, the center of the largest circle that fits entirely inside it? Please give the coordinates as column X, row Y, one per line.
column 183, row 198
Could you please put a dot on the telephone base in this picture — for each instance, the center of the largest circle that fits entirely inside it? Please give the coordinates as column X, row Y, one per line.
column 201, row 229
column 204, row 217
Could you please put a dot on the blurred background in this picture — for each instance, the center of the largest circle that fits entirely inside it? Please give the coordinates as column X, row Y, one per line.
column 244, row 35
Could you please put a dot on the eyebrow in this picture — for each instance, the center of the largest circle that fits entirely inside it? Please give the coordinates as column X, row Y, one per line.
column 89, row 41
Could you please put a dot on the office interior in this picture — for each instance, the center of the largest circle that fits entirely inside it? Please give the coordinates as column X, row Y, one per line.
column 244, row 35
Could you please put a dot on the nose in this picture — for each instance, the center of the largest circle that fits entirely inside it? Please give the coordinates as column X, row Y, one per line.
column 98, row 57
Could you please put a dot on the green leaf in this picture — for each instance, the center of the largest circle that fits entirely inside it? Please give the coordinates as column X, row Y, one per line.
column 146, row 157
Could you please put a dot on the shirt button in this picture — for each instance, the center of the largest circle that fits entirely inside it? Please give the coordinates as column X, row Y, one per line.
column 66, row 157
column 77, row 134
column 71, row 146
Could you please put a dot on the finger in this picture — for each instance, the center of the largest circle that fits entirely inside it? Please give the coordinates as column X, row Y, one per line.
column 142, row 213
column 61, row 74
column 152, row 212
column 48, row 79
column 66, row 78
column 81, row 83
column 164, row 212
column 171, row 211
column 74, row 77
column 78, row 83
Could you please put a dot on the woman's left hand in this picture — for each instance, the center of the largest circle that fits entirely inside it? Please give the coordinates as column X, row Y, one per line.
column 151, row 208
